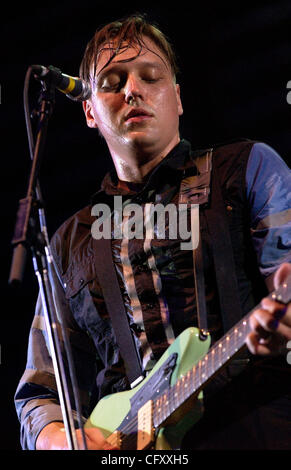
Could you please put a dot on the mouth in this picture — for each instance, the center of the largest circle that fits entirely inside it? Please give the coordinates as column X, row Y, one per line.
column 137, row 115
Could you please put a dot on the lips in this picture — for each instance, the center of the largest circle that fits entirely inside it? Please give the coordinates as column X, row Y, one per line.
column 137, row 114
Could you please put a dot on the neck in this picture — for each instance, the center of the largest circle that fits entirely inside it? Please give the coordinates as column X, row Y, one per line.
column 136, row 165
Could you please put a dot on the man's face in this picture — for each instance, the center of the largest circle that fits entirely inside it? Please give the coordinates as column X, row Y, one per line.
column 135, row 104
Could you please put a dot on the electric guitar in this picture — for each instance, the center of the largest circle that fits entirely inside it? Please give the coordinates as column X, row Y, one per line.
column 157, row 413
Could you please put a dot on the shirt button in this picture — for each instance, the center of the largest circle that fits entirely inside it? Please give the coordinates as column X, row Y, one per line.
column 149, row 306
column 141, row 268
column 81, row 282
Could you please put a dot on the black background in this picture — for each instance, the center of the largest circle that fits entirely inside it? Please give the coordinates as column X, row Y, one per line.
column 235, row 63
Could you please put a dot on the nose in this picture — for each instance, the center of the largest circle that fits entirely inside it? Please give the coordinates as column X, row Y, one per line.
column 132, row 89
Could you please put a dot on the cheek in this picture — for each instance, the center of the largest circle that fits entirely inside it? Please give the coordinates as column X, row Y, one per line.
column 167, row 106
column 104, row 113
column 167, row 99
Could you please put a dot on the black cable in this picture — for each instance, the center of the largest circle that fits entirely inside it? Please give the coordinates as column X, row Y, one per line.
column 43, row 227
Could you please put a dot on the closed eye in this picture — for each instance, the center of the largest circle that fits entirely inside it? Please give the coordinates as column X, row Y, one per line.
column 112, row 82
column 151, row 80
column 112, row 87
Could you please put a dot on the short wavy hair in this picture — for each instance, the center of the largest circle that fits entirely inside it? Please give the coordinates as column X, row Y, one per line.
column 130, row 30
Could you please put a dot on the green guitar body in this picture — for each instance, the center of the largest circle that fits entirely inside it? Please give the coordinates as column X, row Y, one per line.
column 111, row 410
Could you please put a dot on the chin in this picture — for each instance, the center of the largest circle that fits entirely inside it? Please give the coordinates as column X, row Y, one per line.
column 139, row 141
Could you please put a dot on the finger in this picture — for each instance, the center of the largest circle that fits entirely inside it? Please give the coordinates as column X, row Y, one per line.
column 282, row 313
column 263, row 321
column 108, row 446
column 277, row 309
column 272, row 344
column 96, row 441
column 252, row 342
column 255, row 346
column 281, row 274
column 263, row 338
column 256, row 336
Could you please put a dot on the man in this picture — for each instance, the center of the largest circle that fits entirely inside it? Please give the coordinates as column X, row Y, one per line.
column 135, row 105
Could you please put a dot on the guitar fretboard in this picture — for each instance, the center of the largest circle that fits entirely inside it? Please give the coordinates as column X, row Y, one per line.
column 217, row 357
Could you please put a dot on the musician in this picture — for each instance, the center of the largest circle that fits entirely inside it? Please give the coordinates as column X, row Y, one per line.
column 136, row 105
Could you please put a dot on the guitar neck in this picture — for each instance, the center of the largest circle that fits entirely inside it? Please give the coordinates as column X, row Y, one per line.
column 216, row 358
column 195, row 379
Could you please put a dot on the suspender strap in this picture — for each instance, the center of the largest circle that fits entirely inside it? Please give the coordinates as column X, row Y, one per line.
column 218, row 227
column 200, row 289
column 195, row 189
column 112, row 295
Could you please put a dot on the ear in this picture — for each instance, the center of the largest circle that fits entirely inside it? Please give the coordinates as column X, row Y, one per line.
column 88, row 110
column 179, row 102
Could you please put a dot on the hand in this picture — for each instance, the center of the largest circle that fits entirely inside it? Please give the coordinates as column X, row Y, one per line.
column 53, row 437
column 271, row 324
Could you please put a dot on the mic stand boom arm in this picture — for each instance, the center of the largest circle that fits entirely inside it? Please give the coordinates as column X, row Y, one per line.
column 30, row 232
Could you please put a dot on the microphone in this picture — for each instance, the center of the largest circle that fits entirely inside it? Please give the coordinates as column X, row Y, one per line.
column 73, row 87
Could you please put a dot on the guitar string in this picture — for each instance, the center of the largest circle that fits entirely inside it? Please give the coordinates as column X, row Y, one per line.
column 217, row 349
column 193, row 375
column 200, row 372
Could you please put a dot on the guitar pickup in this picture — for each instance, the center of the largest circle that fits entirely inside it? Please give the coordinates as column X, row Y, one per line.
column 145, row 434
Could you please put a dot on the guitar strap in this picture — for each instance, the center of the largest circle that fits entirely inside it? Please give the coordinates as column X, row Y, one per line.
column 218, row 226
column 113, row 299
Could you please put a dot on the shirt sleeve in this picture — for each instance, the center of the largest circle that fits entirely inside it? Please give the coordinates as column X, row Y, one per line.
column 36, row 397
column 268, row 188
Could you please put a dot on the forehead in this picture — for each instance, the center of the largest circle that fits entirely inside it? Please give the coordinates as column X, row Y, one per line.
column 147, row 51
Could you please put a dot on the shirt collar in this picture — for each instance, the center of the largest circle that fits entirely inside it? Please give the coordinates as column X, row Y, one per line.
column 174, row 161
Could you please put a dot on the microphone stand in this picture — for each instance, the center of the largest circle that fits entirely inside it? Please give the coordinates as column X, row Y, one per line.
column 31, row 233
